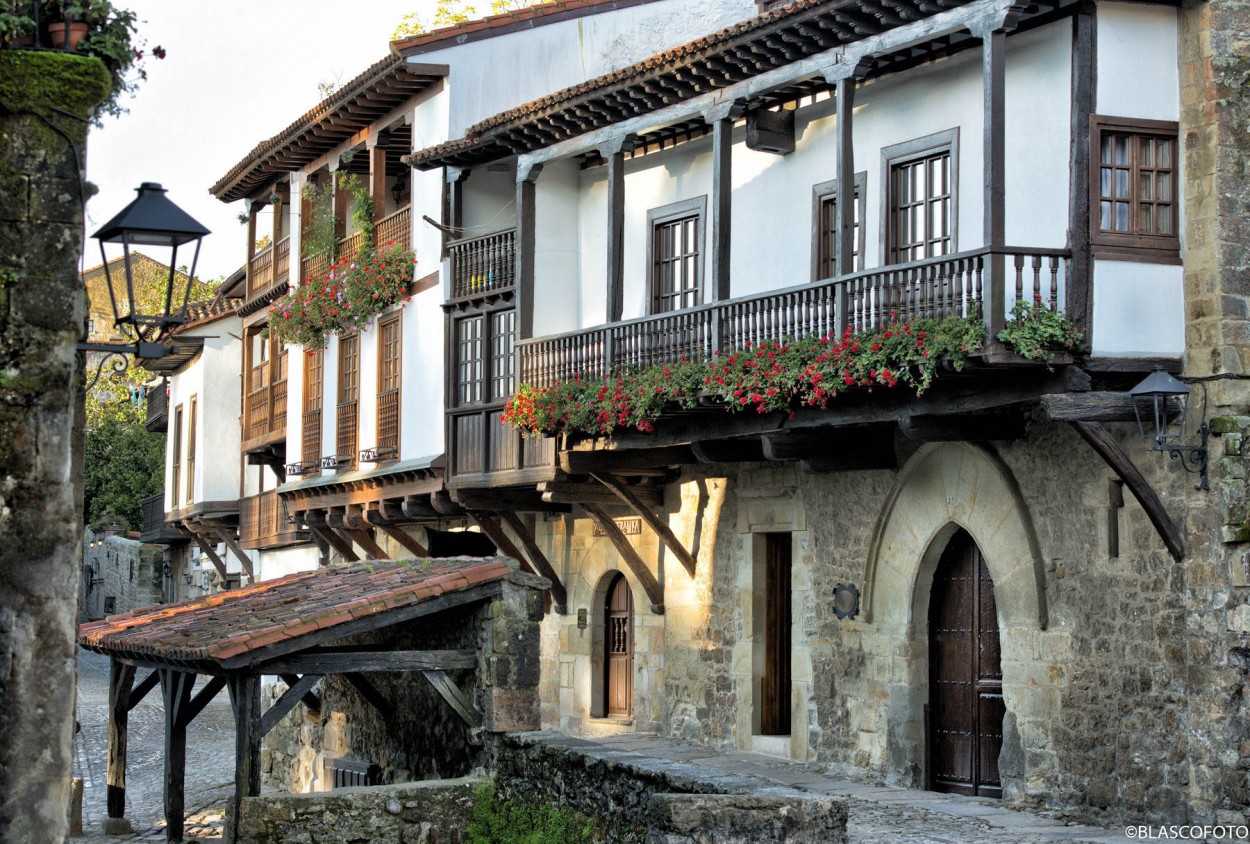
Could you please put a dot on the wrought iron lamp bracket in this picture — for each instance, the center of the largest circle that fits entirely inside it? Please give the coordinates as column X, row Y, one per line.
column 1193, row 457
column 117, row 353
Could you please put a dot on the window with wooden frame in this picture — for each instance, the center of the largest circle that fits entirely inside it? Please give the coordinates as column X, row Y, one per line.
column 346, row 415
column 390, row 339
column 1133, row 188
column 191, row 414
column 175, row 461
column 675, row 246
column 920, row 197
column 825, row 227
column 314, row 372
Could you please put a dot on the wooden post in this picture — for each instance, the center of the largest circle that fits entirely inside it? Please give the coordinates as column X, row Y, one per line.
column 993, row 66
column 121, row 680
column 616, row 232
column 845, row 197
column 526, row 182
column 176, row 689
column 252, row 208
column 245, row 700
column 1078, row 303
column 339, row 202
column 377, row 176
column 722, row 205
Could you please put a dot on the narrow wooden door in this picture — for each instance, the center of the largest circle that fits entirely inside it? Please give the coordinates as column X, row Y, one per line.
column 775, row 684
column 619, row 641
column 966, row 682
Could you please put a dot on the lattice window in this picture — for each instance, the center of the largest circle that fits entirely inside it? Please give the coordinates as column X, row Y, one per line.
column 469, row 359
column 314, row 372
column 191, row 434
column 502, row 359
column 348, row 396
column 1133, row 188
column 922, row 202
column 826, row 228
column 389, row 348
column 676, row 248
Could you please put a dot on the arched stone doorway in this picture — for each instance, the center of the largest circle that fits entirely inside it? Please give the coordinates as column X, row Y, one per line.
column 612, row 649
column 965, row 723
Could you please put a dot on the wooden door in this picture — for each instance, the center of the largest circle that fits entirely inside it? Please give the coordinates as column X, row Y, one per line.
column 619, row 640
column 966, row 682
column 775, row 684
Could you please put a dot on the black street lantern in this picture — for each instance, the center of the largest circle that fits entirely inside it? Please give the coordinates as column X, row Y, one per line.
column 151, row 220
column 397, row 189
column 1161, row 403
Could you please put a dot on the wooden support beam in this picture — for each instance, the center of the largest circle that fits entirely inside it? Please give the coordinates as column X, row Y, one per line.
column 1101, row 440
column 655, row 592
column 994, row 158
column 844, row 145
column 1092, row 407
column 245, row 700
column 524, row 272
column 377, row 177
column 1078, row 303
column 316, row 521
column 456, row 699
column 370, row 694
column 224, row 534
column 998, row 426
column 657, row 525
column 140, row 691
column 201, row 699
column 728, row 451
column 722, row 208
column 405, row 540
column 338, row 661
column 311, row 699
column 538, row 560
column 826, row 450
column 121, row 678
column 373, row 550
column 211, row 553
column 504, row 499
column 176, row 690
column 284, row 704
column 495, row 533
column 616, row 237
column 586, row 462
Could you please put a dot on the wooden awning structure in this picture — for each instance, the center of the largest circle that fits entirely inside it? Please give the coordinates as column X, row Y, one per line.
column 370, row 97
column 279, row 627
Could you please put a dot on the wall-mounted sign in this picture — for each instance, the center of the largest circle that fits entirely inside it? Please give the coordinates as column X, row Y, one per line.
column 629, row 527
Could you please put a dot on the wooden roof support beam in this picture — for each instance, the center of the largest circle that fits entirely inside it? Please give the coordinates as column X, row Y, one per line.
column 209, row 552
column 344, row 661
column 1101, row 440
column 586, row 462
column 461, row 703
column 495, row 533
column 657, row 525
column 351, row 527
column 202, row 698
column 405, row 540
column 245, row 701
column 560, row 597
column 225, row 535
column 311, row 699
column 316, row 521
column 655, row 592
column 176, row 689
column 370, row 694
column 141, row 690
column 297, row 691
column 121, row 678
column 961, row 428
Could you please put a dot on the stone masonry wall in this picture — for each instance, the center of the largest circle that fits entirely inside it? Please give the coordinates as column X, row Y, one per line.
column 121, row 568
column 421, row 737
column 41, row 318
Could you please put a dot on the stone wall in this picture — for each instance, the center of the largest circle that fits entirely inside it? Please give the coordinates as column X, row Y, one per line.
column 1116, row 660
column 412, row 813
column 42, row 146
column 420, row 737
column 120, row 568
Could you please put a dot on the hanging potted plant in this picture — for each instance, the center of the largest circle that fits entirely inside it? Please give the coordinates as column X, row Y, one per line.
column 69, row 22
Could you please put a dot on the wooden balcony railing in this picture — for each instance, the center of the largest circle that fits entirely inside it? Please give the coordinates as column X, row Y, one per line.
column 314, row 267
column 388, row 420
column 153, row 513
column 311, row 453
column 345, row 440
column 265, row 414
column 158, row 409
column 484, row 450
column 935, row 287
column 395, row 229
column 260, row 272
column 482, row 264
column 282, row 260
column 263, row 523
column 350, row 246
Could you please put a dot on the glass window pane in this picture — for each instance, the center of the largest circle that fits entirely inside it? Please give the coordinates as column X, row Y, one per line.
column 1145, row 155
column 1163, row 219
column 1121, row 149
column 1163, row 184
column 1163, row 153
column 1145, row 182
column 1121, row 216
column 1104, row 216
column 1105, row 156
column 1121, row 184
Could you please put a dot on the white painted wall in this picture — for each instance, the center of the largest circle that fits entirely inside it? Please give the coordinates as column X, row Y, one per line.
column 284, row 561
column 1139, row 309
column 1138, row 72
column 213, row 377
column 557, row 254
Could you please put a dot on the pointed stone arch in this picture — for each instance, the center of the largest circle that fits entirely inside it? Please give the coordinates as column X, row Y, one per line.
column 942, row 486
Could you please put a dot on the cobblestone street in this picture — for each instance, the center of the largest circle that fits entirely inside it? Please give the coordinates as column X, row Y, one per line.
column 210, row 758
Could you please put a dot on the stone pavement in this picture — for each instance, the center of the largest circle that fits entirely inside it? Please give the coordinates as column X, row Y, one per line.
column 210, row 758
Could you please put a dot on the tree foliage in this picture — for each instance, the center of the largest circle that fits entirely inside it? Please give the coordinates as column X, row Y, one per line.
column 123, row 464
column 452, row 12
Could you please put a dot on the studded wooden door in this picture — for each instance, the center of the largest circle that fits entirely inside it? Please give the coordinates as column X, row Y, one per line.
column 619, row 641
column 966, row 682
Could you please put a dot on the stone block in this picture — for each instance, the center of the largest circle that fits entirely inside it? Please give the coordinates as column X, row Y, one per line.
column 511, row 710
column 116, row 826
column 1239, row 619
column 741, row 819
column 1235, row 533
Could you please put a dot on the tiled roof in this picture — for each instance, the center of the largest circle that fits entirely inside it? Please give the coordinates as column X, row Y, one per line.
column 229, row 629
column 527, row 17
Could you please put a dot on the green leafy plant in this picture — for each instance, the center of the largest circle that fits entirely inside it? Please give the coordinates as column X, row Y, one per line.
column 16, row 20
column 347, row 297
column 496, row 821
column 319, row 236
column 767, row 377
column 123, row 463
column 1035, row 331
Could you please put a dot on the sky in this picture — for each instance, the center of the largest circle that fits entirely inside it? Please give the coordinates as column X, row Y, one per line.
column 236, row 73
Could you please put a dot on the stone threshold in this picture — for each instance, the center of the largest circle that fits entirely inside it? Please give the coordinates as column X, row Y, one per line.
column 878, row 812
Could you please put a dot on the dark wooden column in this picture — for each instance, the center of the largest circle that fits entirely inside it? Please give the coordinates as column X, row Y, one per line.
column 245, row 699
column 252, row 208
column 339, row 200
column 377, row 176
column 845, row 198
column 176, row 689
column 615, row 154
column 525, row 202
column 1078, row 302
column 993, row 65
column 121, row 680
column 722, row 205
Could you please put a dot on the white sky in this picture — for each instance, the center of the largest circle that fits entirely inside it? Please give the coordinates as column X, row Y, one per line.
column 237, row 72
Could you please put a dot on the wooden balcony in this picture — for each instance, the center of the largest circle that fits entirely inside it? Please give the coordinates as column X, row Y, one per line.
column 395, row 229
column 154, row 529
column 345, row 436
column 311, row 452
column 158, row 409
column 485, row 452
column 264, row 413
column 961, row 283
column 482, row 264
column 264, row 524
